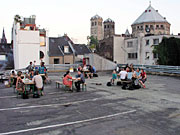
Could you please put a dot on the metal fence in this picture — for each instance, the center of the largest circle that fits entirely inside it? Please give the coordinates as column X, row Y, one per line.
column 157, row 68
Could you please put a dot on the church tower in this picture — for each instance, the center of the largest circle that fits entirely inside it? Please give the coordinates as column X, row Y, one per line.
column 109, row 28
column 3, row 39
column 97, row 27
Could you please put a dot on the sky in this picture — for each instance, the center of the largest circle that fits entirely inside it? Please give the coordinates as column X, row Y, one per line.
column 73, row 16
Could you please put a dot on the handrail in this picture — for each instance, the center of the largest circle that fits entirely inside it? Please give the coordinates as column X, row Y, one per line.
column 157, row 68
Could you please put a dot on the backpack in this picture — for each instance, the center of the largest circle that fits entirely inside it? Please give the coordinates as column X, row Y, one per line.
column 109, row 84
column 95, row 75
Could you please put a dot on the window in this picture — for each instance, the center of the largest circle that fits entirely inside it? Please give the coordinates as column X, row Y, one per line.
column 147, row 55
column 2, row 57
column 162, row 26
column 66, row 49
column 147, row 26
column 137, row 27
column 141, row 27
column 56, row 61
column 108, row 26
column 151, row 26
column 147, row 42
column 92, row 24
column 105, row 26
column 95, row 23
column 156, row 41
column 129, row 44
column 155, row 55
column 99, row 23
column 41, row 55
column 132, row 55
column 157, row 26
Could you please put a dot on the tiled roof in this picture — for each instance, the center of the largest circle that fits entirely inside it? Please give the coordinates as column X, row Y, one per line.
column 149, row 15
column 56, row 46
column 96, row 17
column 81, row 49
column 108, row 20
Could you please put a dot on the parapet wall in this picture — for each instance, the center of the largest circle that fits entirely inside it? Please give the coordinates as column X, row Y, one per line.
column 100, row 63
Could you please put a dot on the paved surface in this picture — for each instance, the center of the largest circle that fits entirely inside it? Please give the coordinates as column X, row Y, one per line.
column 101, row 110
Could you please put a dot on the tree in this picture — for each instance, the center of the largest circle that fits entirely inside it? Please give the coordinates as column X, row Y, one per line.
column 168, row 51
column 94, row 44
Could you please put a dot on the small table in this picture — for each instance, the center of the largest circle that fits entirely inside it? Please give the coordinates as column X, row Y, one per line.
column 28, row 83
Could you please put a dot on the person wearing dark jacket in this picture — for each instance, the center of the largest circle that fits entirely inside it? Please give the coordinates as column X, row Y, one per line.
column 80, row 79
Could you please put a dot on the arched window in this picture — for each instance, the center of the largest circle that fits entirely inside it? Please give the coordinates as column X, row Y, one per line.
column 41, row 55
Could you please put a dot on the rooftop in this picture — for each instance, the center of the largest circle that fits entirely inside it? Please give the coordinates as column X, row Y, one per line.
column 150, row 15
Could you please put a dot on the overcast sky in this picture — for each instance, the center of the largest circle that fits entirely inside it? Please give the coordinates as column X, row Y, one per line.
column 73, row 16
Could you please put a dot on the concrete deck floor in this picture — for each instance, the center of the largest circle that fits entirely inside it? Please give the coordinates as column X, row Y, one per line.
column 101, row 110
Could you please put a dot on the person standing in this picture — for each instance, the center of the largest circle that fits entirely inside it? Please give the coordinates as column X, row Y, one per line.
column 30, row 67
column 80, row 79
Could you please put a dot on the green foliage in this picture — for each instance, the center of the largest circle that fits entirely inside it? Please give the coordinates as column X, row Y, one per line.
column 94, row 44
column 168, row 51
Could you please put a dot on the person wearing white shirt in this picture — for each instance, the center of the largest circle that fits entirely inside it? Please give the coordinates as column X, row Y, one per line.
column 123, row 74
column 37, row 79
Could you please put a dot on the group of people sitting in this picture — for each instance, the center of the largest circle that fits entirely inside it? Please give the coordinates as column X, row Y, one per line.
column 68, row 80
column 88, row 70
column 33, row 74
column 36, row 79
column 129, row 74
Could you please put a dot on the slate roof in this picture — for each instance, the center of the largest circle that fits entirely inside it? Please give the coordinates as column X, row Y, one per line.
column 81, row 49
column 56, row 46
column 149, row 15
column 96, row 17
column 108, row 20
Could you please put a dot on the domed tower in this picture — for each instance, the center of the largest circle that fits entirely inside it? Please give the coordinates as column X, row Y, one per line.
column 109, row 28
column 96, row 27
column 150, row 22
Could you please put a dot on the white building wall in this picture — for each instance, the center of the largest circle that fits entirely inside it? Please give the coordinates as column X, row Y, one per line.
column 119, row 52
column 27, row 47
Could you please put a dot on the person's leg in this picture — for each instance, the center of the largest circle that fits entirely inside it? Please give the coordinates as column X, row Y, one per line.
column 77, row 84
column 141, row 81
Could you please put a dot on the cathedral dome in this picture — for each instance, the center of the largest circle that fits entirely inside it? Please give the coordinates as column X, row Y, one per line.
column 150, row 15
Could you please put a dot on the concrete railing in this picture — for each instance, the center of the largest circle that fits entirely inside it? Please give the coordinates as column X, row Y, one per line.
column 157, row 68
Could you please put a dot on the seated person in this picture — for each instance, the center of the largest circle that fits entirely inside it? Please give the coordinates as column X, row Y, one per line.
column 91, row 70
column 85, row 68
column 143, row 77
column 123, row 74
column 138, row 72
column 129, row 75
column 114, row 77
column 80, row 68
column 80, row 79
column 19, row 83
column 37, row 79
column 12, row 77
column 31, row 75
column 66, row 80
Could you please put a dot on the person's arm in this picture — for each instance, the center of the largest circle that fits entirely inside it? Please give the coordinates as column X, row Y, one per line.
column 17, row 82
column 145, row 76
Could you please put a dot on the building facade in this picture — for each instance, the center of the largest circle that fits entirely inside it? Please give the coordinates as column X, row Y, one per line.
column 29, row 42
column 61, row 50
